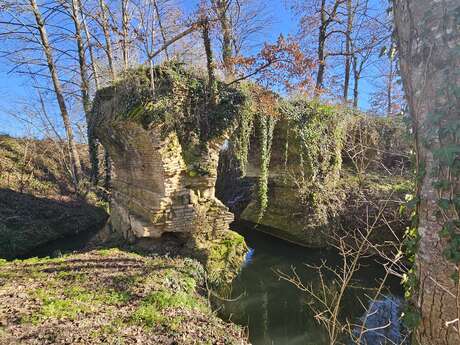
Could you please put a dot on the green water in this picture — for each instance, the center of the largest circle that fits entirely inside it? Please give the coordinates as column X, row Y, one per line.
column 274, row 310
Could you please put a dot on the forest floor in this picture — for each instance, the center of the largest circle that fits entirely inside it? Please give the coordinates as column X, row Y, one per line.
column 108, row 296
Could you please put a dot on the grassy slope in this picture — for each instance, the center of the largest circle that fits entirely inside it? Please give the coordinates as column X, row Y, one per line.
column 36, row 200
column 34, row 166
column 108, row 297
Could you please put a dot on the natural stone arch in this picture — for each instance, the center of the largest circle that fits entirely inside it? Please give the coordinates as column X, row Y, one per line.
column 164, row 174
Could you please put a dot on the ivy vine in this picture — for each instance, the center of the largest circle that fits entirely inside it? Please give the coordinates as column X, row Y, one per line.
column 266, row 126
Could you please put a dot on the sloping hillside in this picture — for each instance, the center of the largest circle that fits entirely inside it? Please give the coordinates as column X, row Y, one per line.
column 37, row 203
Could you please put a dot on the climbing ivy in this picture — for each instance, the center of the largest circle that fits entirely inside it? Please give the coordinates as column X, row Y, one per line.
column 266, row 126
column 443, row 140
column 320, row 128
column 242, row 135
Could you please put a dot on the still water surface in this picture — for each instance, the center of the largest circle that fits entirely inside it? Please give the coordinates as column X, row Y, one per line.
column 274, row 310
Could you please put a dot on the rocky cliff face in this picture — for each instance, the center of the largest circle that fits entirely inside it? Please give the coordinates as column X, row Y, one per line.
column 153, row 192
column 314, row 188
column 165, row 174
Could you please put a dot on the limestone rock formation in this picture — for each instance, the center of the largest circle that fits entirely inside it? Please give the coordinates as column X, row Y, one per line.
column 153, row 192
column 313, row 188
column 165, row 169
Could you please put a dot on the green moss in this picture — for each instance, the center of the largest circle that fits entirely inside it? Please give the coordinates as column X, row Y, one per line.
column 166, row 299
column 225, row 257
column 108, row 251
column 147, row 315
column 150, row 311
column 75, row 301
column 180, row 103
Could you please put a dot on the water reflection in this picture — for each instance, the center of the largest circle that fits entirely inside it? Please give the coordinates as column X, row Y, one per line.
column 274, row 310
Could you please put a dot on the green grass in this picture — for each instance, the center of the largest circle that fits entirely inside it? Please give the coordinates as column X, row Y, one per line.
column 165, row 299
column 147, row 315
column 150, row 312
column 107, row 298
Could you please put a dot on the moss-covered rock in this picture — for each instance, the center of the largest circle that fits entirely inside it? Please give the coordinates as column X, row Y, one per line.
column 108, row 297
column 222, row 255
column 165, row 146
column 327, row 165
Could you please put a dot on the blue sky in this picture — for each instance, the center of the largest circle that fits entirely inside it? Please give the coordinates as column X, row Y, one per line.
column 16, row 90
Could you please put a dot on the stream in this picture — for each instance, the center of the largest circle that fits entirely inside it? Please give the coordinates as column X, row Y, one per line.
column 273, row 310
column 276, row 312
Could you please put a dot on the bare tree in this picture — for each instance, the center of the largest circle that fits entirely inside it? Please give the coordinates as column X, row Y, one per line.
column 48, row 51
column 84, row 87
column 348, row 43
column 104, row 23
column 125, row 32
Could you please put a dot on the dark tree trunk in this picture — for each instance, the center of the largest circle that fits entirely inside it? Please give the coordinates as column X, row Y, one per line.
column 346, row 83
column 356, row 91
column 209, row 63
column 390, row 85
column 321, row 46
column 125, row 38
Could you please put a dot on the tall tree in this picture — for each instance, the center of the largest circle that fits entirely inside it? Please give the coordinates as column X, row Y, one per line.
column 48, row 52
column 428, row 35
column 105, row 25
column 210, row 64
column 221, row 8
column 125, row 32
column 84, row 88
column 327, row 18
column 161, row 25
column 348, row 47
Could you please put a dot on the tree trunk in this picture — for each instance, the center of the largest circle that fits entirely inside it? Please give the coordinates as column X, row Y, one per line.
column 108, row 175
column 152, row 76
column 356, row 77
column 221, row 8
column 124, row 42
column 321, row 47
column 209, row 63
column 84, row 87
column 91, row 52
column 160, row 24
column 390, row 84
column 109, row 54
column 346, row 83
column 356, row 91
column 108, row 41
column 74, row 156
column 428, row 40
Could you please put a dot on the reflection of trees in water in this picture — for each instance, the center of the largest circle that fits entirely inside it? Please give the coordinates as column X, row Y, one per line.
column 274, row 310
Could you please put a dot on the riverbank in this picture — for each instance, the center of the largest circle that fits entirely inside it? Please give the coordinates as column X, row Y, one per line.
column 108, row 296
column 38, row 203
